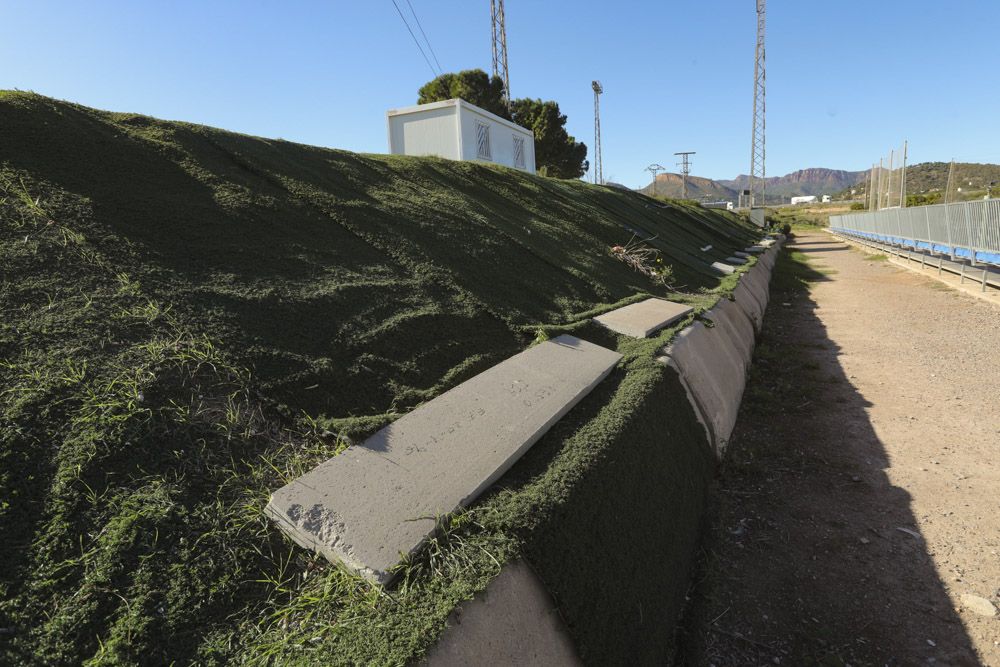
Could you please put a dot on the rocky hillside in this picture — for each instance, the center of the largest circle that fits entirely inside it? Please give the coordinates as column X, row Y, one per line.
column 815, row 181
column 672, row 185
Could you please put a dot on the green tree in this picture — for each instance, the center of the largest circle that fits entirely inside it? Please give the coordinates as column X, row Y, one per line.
column 472, row 85
column 556, row 152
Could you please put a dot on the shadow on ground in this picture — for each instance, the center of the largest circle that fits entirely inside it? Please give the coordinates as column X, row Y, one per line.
column 811, row 555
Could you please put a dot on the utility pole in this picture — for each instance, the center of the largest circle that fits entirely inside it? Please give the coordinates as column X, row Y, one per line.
column 685, row 170
column 951, row 178
column 878, row 203
column 598, row 169
column 500, row 48
column 871, row 188
column 758, row 172
column 888, row 187
column 653, row 169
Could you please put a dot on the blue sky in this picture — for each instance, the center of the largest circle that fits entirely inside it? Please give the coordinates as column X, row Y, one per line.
column 846, row 80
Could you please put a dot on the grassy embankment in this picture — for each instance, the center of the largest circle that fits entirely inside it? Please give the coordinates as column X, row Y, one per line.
column 190, row 317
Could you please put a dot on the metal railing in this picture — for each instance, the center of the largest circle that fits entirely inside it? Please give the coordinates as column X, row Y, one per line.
column 968, row 230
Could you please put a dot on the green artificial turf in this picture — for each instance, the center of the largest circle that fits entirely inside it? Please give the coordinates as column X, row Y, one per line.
column 189, row 318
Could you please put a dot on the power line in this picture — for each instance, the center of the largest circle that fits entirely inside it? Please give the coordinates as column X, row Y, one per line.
column 429, row 47
column 415, row 41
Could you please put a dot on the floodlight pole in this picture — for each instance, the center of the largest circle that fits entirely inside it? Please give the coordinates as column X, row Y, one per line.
column 598, row 168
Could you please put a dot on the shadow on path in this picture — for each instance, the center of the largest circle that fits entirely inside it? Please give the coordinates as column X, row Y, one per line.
column 812, row 556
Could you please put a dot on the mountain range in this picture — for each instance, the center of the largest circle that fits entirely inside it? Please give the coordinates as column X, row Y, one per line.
column 813, row 181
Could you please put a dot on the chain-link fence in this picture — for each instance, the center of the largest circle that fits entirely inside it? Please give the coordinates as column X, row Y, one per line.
column 969, row 230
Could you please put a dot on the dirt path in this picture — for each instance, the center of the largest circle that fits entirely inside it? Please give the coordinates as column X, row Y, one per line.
column 861, row 497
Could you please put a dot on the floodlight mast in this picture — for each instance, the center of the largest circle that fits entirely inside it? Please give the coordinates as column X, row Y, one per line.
column 758, row 172
column 598, row 168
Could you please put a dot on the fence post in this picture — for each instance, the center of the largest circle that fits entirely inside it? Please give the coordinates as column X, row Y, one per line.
column 947, row 226
column 968, row 232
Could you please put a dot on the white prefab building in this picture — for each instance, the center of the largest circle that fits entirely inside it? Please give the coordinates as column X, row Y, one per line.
column 458, row 130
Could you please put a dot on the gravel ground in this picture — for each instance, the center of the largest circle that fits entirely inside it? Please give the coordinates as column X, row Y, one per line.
column 859, row 508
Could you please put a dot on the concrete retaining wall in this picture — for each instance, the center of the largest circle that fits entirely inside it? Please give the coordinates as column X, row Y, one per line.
column 712, row 355
column 549, row 612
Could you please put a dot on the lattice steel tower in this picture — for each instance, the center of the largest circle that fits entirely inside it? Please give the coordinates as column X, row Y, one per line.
column 685, row 165
column 598, row 169
column 758, row 173
column 500, row 48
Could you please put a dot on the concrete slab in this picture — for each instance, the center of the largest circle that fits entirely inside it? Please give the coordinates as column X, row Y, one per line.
column 736, row 260
column 740, row 253
column 723, row 268
column 755, row 249
column 643, row 318
column 513, row 622
column 377, row 502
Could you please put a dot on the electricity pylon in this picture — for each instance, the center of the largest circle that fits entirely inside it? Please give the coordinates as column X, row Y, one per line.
column 685, row 170
column 653, row 169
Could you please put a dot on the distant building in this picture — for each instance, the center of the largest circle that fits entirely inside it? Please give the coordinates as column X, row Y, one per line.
column 727, row 205
column 458, row 130
column 827, row 199
column 808, row 199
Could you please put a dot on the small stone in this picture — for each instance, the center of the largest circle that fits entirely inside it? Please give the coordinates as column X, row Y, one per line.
column 855, row 478
column 865, row 540
column 978, row 605
column 931, row 642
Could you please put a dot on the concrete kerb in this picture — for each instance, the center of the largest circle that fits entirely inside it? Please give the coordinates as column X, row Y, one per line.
column 513, row 622
column 752, row 293
column 712, row 362
column 712, row 368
